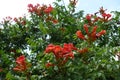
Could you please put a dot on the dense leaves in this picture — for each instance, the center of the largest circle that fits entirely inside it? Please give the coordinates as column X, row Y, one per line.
column 58, row 43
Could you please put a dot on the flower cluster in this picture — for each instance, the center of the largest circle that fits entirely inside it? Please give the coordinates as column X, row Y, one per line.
column 62, row 54
column 22, row 65
column 39, row 10
column 91, row 19
column 50, row 18
column 91, row 36
column 103, row 17
column 7, row 20
column 84, row 50
column 20, row 20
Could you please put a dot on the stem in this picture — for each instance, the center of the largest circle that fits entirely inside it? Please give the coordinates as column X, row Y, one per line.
column 27, row 76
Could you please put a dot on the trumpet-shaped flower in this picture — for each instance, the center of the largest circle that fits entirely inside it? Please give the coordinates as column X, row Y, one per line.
column 91, row 36
column 62, row 54
column 22, row 65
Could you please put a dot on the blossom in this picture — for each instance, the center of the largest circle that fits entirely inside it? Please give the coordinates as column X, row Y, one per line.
column 84, row 50
column 106, row 17
column 30, row 5
column 21, row 64
column 80, row 35
column 49, row 48
column 62, row 54
column 101, row 33
column 57, row 49
column 49, row 65
column 20, row 59
column 92, row 36
column 7, row 19
column 20, row 20
column 88, row 17
column 86, row 29
column 91, row 19
column 30, row 8
column 68, row 48
column 70, row 55
column 55, row 21
column 37, row 9
column 95, row 19
column 48, row 9
column 15, row 19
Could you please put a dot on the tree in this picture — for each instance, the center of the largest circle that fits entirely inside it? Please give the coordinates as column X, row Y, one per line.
column 63, row 44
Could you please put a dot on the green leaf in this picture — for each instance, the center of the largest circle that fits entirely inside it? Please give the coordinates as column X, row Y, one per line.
column 58, row 0
column 42, row 28
column 9, row 76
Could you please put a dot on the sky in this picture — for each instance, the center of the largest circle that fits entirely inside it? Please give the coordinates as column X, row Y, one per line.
column 16, row 8
column 90, row 6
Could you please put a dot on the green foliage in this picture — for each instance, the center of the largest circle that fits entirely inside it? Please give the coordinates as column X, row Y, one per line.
column 94, row 50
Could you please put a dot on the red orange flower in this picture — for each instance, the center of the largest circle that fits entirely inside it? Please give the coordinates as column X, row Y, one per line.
column 84, row 50
column 91, row 19
column 80, row 35
column 106, row 17
column 21, row 64
column 7, row 19
column 57, row 51
column 95, row 19
column 48, row 9
column 92, row 36
column 49, row 65
column 37, row 9
column 68, row 48
column 49, row 48
column 55, row 21
column 20, row 20
column 70, row 55
column 101, row 33
column 86, row 29
column 88, row 17
column 62, row 54
column 20, row 59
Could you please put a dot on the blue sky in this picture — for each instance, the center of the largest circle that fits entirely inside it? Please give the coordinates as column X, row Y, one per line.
column 91, row 6
column 16, row 8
